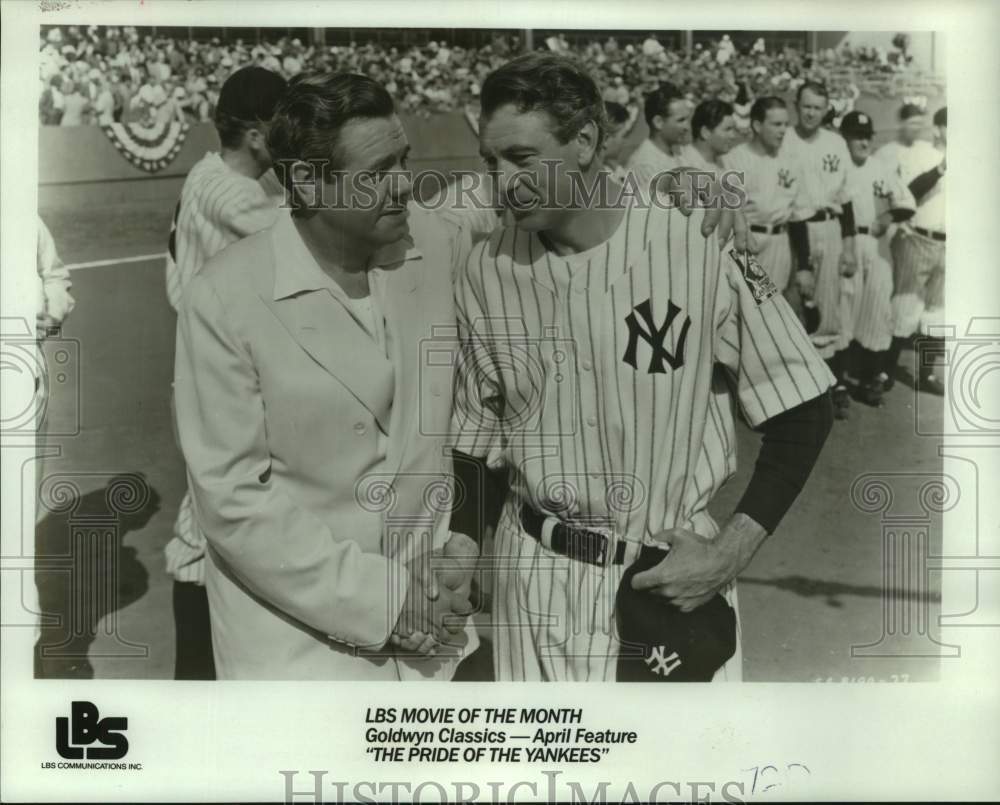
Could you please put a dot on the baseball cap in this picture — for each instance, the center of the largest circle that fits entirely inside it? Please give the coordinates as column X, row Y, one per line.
column 941, row 116
column 908, row 110
column 251, row 93
column 662, row 644
column 857, row 125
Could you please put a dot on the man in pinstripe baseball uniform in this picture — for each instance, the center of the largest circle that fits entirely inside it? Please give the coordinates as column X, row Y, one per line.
column 773, row 185
column 222, row 201
column 878, row 197
column 918, row 255
column 668, row 115
column 604, row 349
column 823, row 156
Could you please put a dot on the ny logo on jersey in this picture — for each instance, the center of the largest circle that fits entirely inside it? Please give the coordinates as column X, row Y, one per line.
column 664, row 664
column 831, row 163
column 879, row 189
column 785, row 178
column 655, row 336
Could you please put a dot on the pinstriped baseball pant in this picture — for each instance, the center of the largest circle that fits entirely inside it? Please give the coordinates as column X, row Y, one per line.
column 872, row 302
column 918, row 276
column 553, row 617
column 825, row 242
column 775, row 256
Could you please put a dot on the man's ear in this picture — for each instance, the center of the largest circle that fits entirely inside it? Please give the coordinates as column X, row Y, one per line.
column 657, row 122
column 586, row 144
column 306, row 181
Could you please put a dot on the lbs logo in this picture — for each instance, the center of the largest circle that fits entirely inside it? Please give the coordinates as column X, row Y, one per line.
column 85, row 727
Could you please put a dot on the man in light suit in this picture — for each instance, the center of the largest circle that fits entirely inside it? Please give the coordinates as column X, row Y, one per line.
column 315, row 443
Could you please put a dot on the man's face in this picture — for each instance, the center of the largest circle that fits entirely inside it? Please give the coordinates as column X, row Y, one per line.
column 366, row 197
column 941, row 132
column 613, row 142
column 811, row 108
column 675, row 127
column 771, row 130
column 909, row 129
column 533, row 168
column 723, row 137
column 860, row 149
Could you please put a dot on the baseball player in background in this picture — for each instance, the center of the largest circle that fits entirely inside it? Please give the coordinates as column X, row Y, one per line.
column 908, row 151
column 823, row 157
column 714, row 134
column 221, row 202
column 604, row 350
column 621, row 121
column 668, row 116
column 918, row 253
column 878, row 197
column 772, row 183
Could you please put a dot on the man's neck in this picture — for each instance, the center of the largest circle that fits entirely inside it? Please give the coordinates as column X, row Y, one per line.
column 242, row 162
column 706, row 151
column 758, row 147
column 341, row 259
column 806, row 135
column 587, row 228
column 670, row 149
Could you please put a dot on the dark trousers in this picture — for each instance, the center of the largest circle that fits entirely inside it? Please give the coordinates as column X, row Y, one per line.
column 194, row 632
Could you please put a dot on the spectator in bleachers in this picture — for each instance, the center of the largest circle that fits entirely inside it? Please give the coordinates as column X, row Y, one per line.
column 76, row 105
column 438, row 76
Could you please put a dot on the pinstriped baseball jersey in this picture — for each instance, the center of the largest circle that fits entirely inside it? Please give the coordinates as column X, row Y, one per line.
column 604, row 381
column 612, row 364
column 218, row 207
column 823, row 159
column 773, row 183
column 649, row 160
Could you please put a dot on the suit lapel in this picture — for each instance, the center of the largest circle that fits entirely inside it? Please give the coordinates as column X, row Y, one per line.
column 326, row 331
column 404, row 318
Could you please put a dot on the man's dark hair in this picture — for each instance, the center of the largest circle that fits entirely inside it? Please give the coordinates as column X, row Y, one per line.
column 908, row 110
column 310, row 115
column 709, row 113
column 765, row 104
column 658, row 102
column 812, row 86
column 546, row 82
column 247, row 101
column 617, row 114
column 941, row 117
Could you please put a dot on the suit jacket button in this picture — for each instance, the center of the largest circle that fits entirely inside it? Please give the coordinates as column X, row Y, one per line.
column 360, row 428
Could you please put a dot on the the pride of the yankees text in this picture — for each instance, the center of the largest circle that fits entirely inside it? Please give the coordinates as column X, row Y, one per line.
column 450, row 734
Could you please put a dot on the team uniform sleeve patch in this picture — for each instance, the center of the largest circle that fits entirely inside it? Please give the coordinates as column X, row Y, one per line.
column 756, row 278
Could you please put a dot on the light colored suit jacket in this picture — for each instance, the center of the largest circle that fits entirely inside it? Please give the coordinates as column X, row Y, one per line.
column 281, row 398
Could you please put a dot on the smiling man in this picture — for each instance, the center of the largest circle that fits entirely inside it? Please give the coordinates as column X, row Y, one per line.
column 604, row 349
column 298, row 390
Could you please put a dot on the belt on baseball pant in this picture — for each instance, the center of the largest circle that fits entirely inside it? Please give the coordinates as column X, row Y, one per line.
column 863, row 230
column 777, row 229
column 823, row 215
column 574, row 542
column 927, row 233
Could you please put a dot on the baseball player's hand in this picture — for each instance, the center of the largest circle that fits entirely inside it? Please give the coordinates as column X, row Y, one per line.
column 848, row 258
column 456, row 563
column 693, row 571
column 805, row 283
column 880, row 225
column 690, row 189
column 452, row 573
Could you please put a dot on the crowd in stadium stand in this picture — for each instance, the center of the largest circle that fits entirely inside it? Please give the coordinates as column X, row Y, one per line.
column 100, row 75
